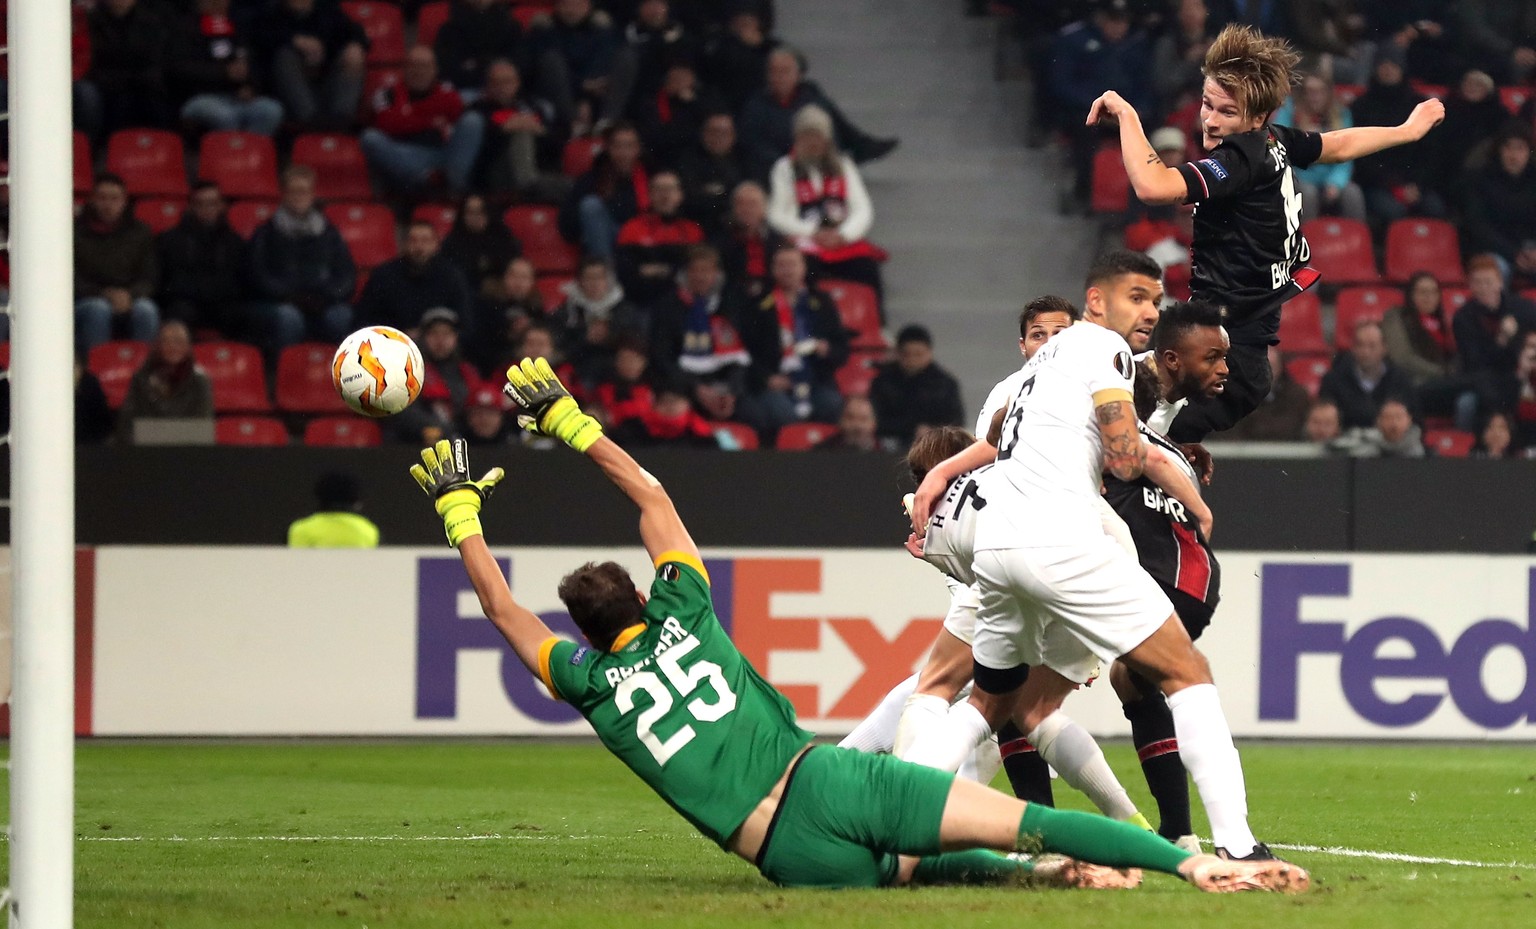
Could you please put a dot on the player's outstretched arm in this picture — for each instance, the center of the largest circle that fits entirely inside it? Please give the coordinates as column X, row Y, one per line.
column 1165, row 473
column 1359, row 141
column 1153, row 181
column 1125, row 453
column 661, row 529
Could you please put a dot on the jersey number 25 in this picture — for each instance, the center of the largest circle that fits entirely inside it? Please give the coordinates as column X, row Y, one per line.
column 685, row 683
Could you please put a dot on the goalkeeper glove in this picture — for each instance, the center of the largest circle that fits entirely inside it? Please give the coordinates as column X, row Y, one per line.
column 547, row 407
column 444, row 475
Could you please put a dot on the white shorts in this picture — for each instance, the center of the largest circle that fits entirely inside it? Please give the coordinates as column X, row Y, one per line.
column 960, row 621
column 1068, row 607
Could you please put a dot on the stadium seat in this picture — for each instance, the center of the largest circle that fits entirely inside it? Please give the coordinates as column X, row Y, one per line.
column 384, row 25
column 341, row 171
column 343, row 432
column 369, row 230
column 151, row 162
column 798, row 437
column 429, row 19
column 1347, row 94
column 159, row 213
column 1308, row 370
column 1357, row 303
column 440, row 215
column 537, row 228
column 1449, row 443
column 1111, row 191
column 551, row 288
column 1529, row 293
column 744, row 437
column 579, row 155
column 1431, row 245
column 85, row 169
column 304, row 379
column 854, row 378
column 1438, row 91
column 239, row 380
column 1301, row 324
column 859, row 309
column 525, row 13
column 243, row 164
column 1514, row 98
column 249, row 430
column 1453, row 298
column 113, row 363
column 1341, row 250
column 5, row 355
column 245, row 215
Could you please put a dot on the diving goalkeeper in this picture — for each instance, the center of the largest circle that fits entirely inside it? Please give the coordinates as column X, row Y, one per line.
column 668, row 693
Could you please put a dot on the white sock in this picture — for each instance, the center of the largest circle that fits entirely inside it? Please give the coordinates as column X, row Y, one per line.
column 946, row 746
column 1205, row 746
column 984, row 762
column 877, row 731
column 922, row 713
column 1069, row 749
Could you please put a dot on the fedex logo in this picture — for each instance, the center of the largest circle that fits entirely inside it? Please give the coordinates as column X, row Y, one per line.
column 1446, row 669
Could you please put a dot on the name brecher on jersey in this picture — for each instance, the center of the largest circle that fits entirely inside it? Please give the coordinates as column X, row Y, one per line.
column 951, row 540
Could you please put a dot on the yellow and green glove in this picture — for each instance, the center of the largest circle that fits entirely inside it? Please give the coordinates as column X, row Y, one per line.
column 547, row 407
column 444, row 475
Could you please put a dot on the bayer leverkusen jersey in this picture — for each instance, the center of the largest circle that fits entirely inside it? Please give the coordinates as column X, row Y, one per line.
column 1248, row 239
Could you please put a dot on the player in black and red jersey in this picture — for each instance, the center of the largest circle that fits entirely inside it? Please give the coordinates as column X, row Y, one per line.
column 1249, row 254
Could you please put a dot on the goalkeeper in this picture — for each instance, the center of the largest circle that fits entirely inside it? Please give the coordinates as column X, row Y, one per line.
column 670, row 695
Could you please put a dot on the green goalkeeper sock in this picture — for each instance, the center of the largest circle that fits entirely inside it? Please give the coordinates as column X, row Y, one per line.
column 976, row 866
column 1098, row 839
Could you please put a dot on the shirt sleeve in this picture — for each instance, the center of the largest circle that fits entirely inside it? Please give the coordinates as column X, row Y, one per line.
column 1226, row 172
column 1303, row 148
column 1106, row 367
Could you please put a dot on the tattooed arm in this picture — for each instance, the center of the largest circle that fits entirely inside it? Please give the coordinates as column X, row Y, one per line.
column 1125, row 454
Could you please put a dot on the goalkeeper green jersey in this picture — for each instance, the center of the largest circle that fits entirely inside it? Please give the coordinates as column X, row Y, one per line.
column 679, row 704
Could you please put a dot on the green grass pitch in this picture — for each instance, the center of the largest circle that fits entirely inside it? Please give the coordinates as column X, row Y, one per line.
column 533, row 834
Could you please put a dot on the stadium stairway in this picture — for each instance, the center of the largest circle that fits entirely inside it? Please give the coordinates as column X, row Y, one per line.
column 967, row 212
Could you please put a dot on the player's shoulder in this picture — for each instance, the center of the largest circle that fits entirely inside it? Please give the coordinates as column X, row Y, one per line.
column 1089, row 337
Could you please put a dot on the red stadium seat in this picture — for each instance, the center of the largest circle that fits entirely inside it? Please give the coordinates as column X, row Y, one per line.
column 1301, row 324
column 245, row 215
column 440, row 215
column 579, row 155
column 151, row 162
column 5, row 355
column 384, row 25
column 1449, row 443
column 537, row 228
column 429, row 19
column 304, row 379
column 113, row 363
column 341, row 171
column 1308, row 370
column 85, row 169
column 1438, row 91
column 243, row 164
column 249, row 430
column 1347, row 94
column 742, row 435
column 854, row 378
column 239, row 380
column 343, row 432
column 1341, row 250
column 859, row 309
column 1111, row 191
column 1431, row 245
column 159, row 213
column 1529, row 293
column 369, row 230
column 552, row 289
column 1514, row 98
column 525, row 13
column 798, row 437
column 1357, row 303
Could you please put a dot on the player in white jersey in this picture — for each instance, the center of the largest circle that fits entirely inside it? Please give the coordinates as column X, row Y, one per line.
column 1056, row 592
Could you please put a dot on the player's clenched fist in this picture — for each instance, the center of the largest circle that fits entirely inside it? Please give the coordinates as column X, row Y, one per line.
column 1110, row 106
column 547, row 407
column 1425, row 116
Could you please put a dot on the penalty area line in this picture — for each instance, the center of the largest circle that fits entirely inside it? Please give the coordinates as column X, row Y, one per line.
column 1343, row 852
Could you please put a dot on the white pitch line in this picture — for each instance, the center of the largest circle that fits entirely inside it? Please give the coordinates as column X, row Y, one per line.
column 1398, row 856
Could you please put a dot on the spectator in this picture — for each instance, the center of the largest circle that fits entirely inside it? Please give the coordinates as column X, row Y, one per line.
column 1474, row 114
column 656, row 42
column 314, row 55
column 477, row 33
column 202, row 264
column 1525, row 396
column 737, row 59
column 624, row 391
column 710, row 170
column 819, row 202
column 420, row 127
column 93, row 418
column 213, row 77
column 1322, row 426
column 1393, row 435
column 671, row 423
column 502, row 326
column 591, row 320
column 609, row 195
column 767, row 119
column 671, row 116
column 1501, row 205
column 1283, row 412
column 126, row 83
column 1496, row 438
column 1488, row 328
column 797, row 343
column 1501, row 33
column 300, row 270
column 1396, row 181
column 523, row 139
column 1362, row 378
column 480, row 249
column 169, row 385
column 575, row 52
column 748, row 243
column 652, row 245
column 694, row 339
column 856, row 429
column 400, row 291
column 1418, row 340
column 913, row 390
column 1326, row 189
column 485, row 421
column 337, row 521
column 115, row 270
column 446, row 384
column 1178, row 55
column 1422, row 33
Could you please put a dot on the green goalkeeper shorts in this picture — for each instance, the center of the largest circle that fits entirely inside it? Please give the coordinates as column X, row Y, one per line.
column 846, row 815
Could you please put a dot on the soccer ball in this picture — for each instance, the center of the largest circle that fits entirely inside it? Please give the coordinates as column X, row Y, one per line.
column 377, row 371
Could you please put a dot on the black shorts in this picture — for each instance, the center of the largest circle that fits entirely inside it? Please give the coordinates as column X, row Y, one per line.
column 1194, row 614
